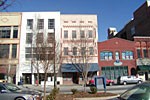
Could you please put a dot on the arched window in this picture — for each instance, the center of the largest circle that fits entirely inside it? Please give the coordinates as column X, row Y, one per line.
column 106, row 55
column 127, row 55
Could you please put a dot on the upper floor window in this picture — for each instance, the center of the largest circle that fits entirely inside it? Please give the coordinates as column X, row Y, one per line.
column 65, row 34
column 39, row 38
column 133, row 30
column 74, row 50
column 82, row 34
column 4, row 50
column 65, row 50
column 14, row 50
column 28, row 52
column 117, row 55
column 127, row 55
column 91, row 51
column 83, row 51
column 40, row 24
column 29, row 23
column 29, row 38
column 138, row 53
column 50, row 37
column 90, row 34
column 15, row 32
column 106, row 55
column 145, row 53
column 74, row 35
column 51, row 23
column 5, row 31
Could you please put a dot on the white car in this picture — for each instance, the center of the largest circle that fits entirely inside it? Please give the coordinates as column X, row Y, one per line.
column 128, row 79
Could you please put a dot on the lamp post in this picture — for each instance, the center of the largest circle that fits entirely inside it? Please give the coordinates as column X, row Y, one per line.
column 54, row 61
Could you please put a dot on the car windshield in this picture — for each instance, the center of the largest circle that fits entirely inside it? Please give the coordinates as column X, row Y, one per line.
column 140, row 92
column 12, row 87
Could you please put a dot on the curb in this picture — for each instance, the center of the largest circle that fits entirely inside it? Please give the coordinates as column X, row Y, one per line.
column 97, row 98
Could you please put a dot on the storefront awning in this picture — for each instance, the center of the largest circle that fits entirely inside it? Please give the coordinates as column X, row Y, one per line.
column 143, row 67
column 92, row 67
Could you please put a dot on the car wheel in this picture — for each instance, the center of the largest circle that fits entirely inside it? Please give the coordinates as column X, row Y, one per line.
column 139, row 82
column 124, row 83
column 19, row 98
column 110, row 83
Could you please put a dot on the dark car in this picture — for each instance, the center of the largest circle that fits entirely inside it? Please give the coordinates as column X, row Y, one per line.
column 13, row 92
column 138, row 92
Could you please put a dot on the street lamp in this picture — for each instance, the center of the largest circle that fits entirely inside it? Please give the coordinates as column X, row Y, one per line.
column 54, row 61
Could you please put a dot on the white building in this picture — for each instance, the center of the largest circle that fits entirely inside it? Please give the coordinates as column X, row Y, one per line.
column 33, row 23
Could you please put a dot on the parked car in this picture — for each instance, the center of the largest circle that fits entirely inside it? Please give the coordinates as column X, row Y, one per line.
column 128, row 79
column 10, row 91
column 109, row 82
column 137, row 92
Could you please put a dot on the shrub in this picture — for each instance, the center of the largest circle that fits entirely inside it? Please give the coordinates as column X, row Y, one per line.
column 52, row 95
column 74, row 91
column 93, row 89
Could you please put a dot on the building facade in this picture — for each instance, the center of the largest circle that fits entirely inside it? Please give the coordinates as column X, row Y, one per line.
column 10, row 28
column 142, row 47
column 138, row 25
column 116, row 57
column 79, row 36
column 41, row 26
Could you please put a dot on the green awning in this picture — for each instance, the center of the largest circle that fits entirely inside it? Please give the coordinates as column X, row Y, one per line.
column 143, row 68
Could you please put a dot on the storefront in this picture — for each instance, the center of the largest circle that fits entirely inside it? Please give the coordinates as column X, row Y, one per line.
column 113, row 72
column 72, row 73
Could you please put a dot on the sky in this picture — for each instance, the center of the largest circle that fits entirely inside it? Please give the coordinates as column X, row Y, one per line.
column 110, row 13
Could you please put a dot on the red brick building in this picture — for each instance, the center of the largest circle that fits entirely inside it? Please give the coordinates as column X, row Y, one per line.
column 142, row 46
column 116, row 57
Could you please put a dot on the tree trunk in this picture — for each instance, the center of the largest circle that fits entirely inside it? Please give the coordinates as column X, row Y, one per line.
column 45, row 77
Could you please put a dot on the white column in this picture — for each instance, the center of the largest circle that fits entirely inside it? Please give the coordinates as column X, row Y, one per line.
column 33, row 80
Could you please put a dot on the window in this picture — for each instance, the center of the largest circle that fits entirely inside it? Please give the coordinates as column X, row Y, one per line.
column 145, row 53
column 90, row 33
column 14, row 50
column 138, row 53
column 39, row 38
column 51, row 23
column 28, row 52
column 29, row 38
column 126, row 55
column 4, row 50
column 117, row 55
column 132, row 30
column 15, row 32
column 83, row 51
column 50, row 38
column 5, row 31
column 106, row 55
column 65, row 50
column 91, row 50
column 74, row 50
column 74, row 35
column 40, row 24
column 65, row 34
column 82, row 34
column 29, row 23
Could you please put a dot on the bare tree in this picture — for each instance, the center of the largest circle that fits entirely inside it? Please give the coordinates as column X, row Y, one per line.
column 4, row 4
column 81, row 55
